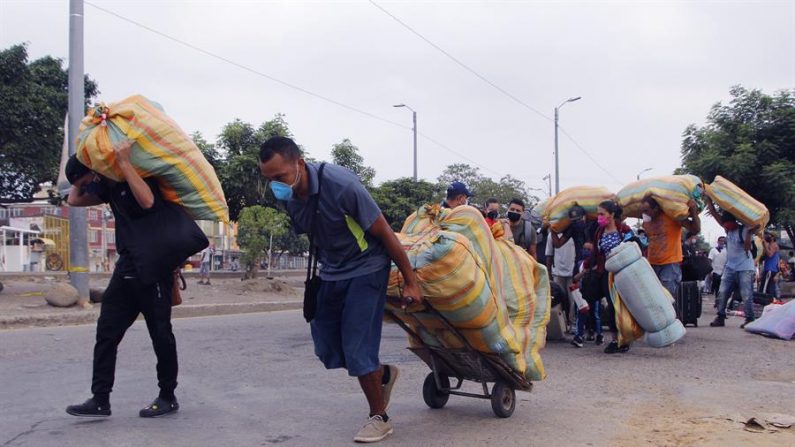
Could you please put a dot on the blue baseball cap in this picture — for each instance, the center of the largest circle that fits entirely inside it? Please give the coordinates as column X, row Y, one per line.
column 458, row 188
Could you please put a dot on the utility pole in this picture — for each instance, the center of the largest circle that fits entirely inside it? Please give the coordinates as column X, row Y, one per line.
column 414, row 129
column 78, row 225
column 557, row 170
column 414, row 115
column 548, row 178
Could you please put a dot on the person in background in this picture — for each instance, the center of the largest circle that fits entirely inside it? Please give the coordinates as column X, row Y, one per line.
column 643, row 241
column 610, row 234
column 457, row 194
column 541, row 245
column 739, row 272
column 717, row 257
column 791, row 261
column 492, row 216
column 770, row 270
column 561, row 258
column 592, row 295
column 524, row 235
column 665, row 241
column 204, row 265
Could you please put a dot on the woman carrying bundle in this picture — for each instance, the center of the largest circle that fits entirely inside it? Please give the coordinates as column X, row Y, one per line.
column 611, row 232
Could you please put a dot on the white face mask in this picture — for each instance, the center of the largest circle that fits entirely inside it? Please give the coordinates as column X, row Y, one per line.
column 646, row 218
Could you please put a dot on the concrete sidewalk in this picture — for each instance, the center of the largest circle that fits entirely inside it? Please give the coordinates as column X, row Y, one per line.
column 22, row 302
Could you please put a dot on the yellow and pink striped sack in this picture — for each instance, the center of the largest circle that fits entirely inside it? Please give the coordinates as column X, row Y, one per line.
column 672, row 193
column 556, row 212
column 491, row 290
column 729, row 197
column 161, row 150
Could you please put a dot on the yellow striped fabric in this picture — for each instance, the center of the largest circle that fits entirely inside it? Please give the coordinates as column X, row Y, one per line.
column 556, row 212
column 729, row 197
column 628, row 329
column 672, row 192
column 491, row 290
column 161, row 150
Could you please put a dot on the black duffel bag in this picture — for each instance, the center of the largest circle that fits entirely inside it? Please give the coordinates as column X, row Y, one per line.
column 696, row 268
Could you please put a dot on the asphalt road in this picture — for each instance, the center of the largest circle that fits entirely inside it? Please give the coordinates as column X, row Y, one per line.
column 252, row 380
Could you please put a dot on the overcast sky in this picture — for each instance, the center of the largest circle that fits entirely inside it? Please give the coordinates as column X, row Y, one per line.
column 645, row 70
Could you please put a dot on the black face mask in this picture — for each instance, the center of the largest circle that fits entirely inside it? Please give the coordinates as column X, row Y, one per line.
column 493, row 214
column 514, row 216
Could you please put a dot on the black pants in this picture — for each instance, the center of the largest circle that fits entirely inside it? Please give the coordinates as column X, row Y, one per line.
column 122, row 302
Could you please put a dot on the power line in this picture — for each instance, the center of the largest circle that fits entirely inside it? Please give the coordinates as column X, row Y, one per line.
column 284, row 83
column 595, row 162
column 461, row 64
column 487, row 81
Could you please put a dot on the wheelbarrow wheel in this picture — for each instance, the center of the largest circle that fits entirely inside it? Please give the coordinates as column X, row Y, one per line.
column 433, row 396
column 503, row 400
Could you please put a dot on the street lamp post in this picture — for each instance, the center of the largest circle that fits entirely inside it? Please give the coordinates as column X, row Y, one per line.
column 557, row 170
column 414, row 129
column 548, row 178
column 641, row 172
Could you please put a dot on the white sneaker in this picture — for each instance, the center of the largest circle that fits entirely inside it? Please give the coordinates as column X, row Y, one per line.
column 387, row 387
column 374, row 430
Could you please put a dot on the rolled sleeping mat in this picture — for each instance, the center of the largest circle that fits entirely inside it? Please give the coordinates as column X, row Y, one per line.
column 667, row 336
column 640, row 289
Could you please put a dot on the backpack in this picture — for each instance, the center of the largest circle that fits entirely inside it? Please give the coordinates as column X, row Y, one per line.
column 753, row 245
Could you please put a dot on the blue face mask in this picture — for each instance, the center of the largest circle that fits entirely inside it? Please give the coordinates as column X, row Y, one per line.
column 282, row 191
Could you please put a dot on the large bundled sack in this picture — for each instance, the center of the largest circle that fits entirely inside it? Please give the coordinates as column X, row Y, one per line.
column 672, row 192
column 536, row 215
column 161, row 150
column 777, row 322
column 489, row 289
column 557, row 209
column 729, row 197
column 644, row 296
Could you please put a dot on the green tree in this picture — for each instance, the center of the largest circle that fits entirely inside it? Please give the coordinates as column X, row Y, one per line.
column 484, row 187
column 256, row 225
column 290, row 243
column 399, row 198
column 208, row 149
column 238, row 171
column 460, row 172
column 750, row 141
column 33, row 101
column 347, row 155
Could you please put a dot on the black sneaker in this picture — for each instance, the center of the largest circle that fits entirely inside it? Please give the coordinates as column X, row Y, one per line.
column 600, row 339
column 89, row 409
column 611, row 347
column 747, row 320
column 623, row 349
column 577, row 341
column 718, row 322
column 160, row 407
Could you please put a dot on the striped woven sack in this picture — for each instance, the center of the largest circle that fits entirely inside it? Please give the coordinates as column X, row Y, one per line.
column 729, row 197
column 487, row 288
column 556, row 212
column 161, row 150
column 672, row 192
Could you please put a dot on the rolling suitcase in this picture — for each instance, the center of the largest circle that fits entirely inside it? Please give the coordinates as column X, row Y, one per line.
column 688, row 303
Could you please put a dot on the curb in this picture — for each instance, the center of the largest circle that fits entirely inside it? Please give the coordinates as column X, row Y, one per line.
column 90, row 316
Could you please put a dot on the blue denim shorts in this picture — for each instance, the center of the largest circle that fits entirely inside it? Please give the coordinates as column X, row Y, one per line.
column 348, row 320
